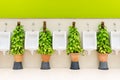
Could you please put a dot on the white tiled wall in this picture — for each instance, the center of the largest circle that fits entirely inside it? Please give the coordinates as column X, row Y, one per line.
column 62, row 60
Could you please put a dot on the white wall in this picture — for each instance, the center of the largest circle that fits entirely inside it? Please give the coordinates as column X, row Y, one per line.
column 63, row 60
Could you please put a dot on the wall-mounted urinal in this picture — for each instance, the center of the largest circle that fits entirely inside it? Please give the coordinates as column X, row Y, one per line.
column 59, row 40
column 89, row 41
column 4, row 42
column 115, row 41
column 31, row 40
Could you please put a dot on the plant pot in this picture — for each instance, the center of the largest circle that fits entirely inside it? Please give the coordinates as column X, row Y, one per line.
column 45, row 62
column 103, row 65
column 18, row 62
column 74, row 61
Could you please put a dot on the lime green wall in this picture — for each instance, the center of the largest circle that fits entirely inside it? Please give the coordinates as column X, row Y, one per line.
column 60, row 9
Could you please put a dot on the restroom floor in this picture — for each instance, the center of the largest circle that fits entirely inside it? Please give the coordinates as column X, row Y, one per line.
column 59, row 74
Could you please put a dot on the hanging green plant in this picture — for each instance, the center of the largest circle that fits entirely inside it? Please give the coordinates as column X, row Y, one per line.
column 103, row 40
column 45, row 42
column 17, row 40
column 74, row 42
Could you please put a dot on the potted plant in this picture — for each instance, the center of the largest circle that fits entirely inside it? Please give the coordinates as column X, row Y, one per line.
column 45, row 46
column 74, row 46
column 103, row 46
column 17, row 46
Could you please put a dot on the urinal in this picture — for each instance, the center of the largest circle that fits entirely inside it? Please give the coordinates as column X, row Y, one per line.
column 31, row 40
column 115, row 41
column 89, row 41
column 4, row 42
column 59, row 40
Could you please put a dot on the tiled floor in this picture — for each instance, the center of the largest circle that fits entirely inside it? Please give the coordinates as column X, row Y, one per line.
column 59, row 74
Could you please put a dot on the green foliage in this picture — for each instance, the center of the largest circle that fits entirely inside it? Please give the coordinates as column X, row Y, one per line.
column 74, row 43
column 103, row 41
column 45, row 42
column 17, row 41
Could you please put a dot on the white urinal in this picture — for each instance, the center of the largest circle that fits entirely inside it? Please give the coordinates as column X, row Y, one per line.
column 89, row 41
column 59, row 40
column 115, row 41
column 31, row 40
column 4, row 42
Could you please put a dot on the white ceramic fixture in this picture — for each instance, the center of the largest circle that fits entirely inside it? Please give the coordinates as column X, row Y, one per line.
column 115, row 41
column 89, row 41
column 31, row 40
column 4, row 42
column 59, row 40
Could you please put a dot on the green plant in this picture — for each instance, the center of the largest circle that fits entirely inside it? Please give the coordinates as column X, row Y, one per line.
column 103, row 40
column 17, row 40
column 74, row 43
column 45, row 42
